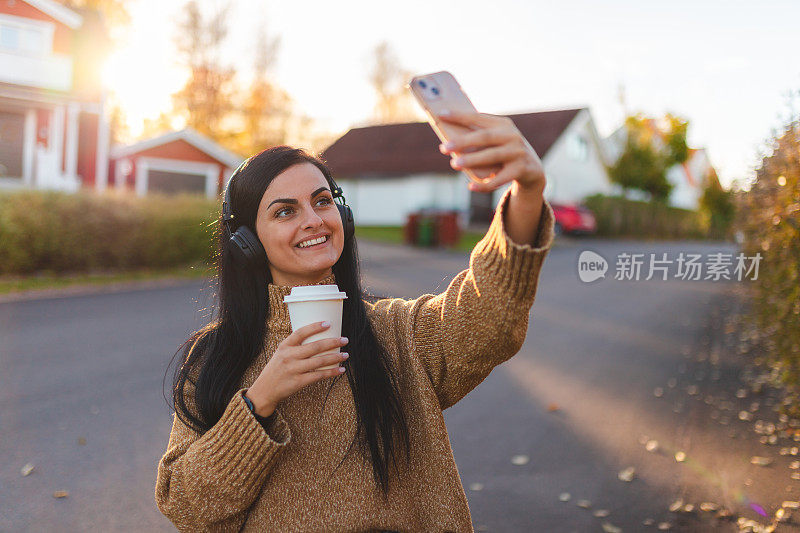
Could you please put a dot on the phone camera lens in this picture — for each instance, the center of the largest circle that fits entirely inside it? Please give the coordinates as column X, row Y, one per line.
column 434, row 90
column 422, row 84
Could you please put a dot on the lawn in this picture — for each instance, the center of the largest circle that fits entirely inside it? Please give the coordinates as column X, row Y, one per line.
column 394, row 235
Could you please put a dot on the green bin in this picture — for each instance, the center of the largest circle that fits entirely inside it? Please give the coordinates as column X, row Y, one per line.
column 426, row 231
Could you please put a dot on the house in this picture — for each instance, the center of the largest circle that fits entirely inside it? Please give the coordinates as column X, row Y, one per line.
column 688, row 179
column 179, row 161
column 53, row 128
column 391, row 170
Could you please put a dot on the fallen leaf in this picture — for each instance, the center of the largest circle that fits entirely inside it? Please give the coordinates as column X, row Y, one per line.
column 680, row 456
column 520, row 460
column 791, row 505
column 664, row 526
column 651, row 446
column 627, row 474
column 676, row 506
column 658, row 392
column 610, row 528
column 27, row 469
column 760, row 461
column 552, row 407
column 601, row 513
column 584, row 504
column 709, row 507
column 60, row 494
column 564, row 496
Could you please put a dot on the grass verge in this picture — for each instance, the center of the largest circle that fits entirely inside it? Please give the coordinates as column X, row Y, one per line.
column 43, row 281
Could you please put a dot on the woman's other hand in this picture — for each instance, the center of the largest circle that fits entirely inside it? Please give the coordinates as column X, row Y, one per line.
column 497, row 144
column 293, row 366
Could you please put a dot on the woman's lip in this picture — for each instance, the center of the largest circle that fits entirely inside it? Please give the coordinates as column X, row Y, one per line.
column 320, row 245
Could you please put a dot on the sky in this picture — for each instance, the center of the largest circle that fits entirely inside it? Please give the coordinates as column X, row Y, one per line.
column 726, row 66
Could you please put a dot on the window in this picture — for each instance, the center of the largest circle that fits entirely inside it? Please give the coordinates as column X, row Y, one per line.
column 22, row 38
column 578, row 148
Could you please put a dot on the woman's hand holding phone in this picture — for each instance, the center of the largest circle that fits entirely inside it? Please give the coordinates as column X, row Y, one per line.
column 495, row 142
column 293, row 366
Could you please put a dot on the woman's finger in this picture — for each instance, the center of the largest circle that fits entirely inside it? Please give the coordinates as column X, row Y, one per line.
column 488, row 157
column 479, row 138
column 509, row 173
column 472, row 120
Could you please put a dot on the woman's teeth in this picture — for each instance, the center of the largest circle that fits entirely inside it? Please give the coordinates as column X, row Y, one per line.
column 312, row 242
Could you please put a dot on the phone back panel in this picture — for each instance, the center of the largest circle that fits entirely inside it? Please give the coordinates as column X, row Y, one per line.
column 438, row 92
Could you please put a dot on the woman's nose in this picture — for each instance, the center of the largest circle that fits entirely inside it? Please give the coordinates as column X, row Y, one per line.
column 312, row 219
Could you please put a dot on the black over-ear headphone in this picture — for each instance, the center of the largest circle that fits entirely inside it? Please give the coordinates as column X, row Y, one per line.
column 246, row 243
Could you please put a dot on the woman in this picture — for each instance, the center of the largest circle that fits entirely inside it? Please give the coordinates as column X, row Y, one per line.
column 262, row 440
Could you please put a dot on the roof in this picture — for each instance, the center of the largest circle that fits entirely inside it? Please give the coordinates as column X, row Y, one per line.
column 197, row 140
column 62, row 14
column 413, row 147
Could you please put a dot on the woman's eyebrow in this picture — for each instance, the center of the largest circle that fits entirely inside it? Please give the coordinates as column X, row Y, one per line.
column 293, row 201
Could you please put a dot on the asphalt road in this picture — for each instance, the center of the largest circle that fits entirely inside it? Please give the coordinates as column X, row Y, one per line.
column 81, row 399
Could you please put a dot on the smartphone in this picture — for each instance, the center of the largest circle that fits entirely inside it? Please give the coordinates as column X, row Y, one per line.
column 438, row 92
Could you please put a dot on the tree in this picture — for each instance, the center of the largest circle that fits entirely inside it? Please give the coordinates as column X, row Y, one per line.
column 651, row 148
column 718, row 205
column 207, row 97
column 388, row 78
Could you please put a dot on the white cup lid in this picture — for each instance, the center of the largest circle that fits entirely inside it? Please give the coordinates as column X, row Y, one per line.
column 307, row 293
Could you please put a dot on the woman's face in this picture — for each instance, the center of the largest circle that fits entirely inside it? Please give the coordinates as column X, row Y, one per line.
column 297, row 207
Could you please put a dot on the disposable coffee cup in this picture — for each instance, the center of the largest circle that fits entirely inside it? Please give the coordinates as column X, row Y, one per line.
column 317, row 303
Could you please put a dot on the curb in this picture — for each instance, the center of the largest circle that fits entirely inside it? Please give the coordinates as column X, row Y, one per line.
column 96, row 289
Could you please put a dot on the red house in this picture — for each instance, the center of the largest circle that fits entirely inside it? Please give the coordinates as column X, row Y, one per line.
column 179, row 161
column 53, row 129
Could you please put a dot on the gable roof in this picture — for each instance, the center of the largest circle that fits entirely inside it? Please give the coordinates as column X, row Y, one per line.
column 202, row 143
column 62, row 14
column 413, row 147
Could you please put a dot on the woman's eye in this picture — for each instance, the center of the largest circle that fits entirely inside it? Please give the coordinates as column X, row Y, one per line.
column 325, row 201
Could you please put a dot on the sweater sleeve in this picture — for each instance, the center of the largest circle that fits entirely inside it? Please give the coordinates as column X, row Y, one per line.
column 208, row 482
column 481, row 319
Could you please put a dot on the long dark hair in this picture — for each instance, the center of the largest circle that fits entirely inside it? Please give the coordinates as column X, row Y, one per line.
column 216, row 356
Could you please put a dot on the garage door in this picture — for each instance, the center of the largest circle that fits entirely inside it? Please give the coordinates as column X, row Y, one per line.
column 12, row 129
column 175, row 182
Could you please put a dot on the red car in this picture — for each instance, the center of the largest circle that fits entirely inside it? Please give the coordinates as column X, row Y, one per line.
column 573, row 219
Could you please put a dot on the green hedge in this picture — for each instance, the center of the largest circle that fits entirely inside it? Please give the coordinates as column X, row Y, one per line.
column 769, row 221
column 59, row 233
column 620, row 217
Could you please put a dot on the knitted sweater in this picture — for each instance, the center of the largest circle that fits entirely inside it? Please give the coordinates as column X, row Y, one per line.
column 240, row 477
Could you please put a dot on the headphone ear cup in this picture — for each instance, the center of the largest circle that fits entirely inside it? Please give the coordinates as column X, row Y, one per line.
column 247, row 244
column 347, row 221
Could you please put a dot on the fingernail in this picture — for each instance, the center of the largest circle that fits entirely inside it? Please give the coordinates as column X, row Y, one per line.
column 449, row 145
column 457, row 161
column 341, row 369
column 443, row 148
column 344, row 340
column 345, row 355
column 326, row 324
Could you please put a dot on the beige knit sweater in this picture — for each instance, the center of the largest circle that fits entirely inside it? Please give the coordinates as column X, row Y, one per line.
column 239, row 477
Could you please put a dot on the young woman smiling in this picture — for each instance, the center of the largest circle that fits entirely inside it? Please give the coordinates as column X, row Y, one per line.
column 262, row 440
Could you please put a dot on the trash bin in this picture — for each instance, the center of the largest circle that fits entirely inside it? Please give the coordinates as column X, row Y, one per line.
column 426, row 231
column 410, row 228
column 447, row 230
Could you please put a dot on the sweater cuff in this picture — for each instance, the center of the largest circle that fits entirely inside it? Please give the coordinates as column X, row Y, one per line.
column 241, row 449
column 513, row 267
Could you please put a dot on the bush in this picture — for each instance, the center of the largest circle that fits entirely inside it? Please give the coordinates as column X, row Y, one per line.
column 769, row 220
column 58, row 232
column 620, row 217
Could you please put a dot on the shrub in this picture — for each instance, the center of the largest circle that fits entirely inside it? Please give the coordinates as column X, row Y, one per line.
column 769, row 220
column 620, row 217
column 59, row 232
